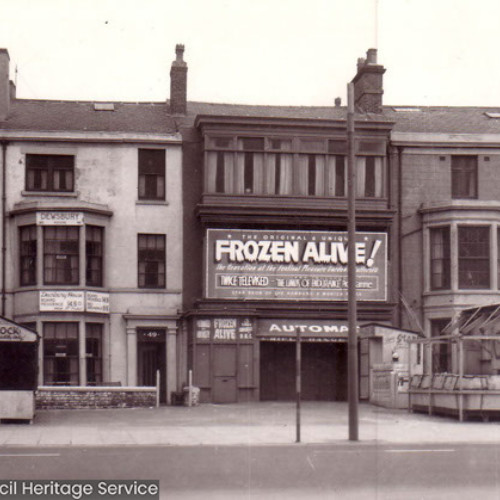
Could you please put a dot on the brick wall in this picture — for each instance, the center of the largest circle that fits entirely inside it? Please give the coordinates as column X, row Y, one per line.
column 94, row 397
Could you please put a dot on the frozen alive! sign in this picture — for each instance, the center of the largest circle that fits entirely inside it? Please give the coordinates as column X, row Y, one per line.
column 293, row 265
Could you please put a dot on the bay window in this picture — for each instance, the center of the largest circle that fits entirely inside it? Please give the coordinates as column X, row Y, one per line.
column 289, row 167
column 60, row 257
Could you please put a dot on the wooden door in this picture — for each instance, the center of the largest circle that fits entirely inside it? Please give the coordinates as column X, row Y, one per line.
column 224, row 384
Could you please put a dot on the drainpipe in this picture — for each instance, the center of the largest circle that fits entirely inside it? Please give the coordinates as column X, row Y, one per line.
column 400, row 233
column 4, row 220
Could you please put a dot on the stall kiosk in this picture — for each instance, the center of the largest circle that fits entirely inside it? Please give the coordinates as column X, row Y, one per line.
column 18, row 371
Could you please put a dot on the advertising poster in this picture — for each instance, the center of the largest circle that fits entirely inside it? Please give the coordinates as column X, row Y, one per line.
column 293, row 265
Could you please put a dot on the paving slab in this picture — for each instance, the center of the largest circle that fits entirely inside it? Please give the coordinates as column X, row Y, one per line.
column 242, row 423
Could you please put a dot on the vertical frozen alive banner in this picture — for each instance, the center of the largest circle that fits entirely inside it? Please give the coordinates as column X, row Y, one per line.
column 293, row 265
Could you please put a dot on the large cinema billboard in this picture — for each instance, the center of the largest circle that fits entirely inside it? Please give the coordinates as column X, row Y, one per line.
column 293, row 265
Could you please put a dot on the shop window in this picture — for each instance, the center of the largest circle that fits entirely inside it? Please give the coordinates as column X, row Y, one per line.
column 370, row 177
column 93, row 353
column 49, row 172
column 27, row 255
column 463, row 177
column 151, row 174
column 151, row 260
column 60, row 353
column 441, row 352
column 440, row 258
column 61, row 255
column 94, row 255
column 473, row 257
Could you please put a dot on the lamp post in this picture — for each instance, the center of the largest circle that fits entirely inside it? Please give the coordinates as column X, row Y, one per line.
column 352, row 360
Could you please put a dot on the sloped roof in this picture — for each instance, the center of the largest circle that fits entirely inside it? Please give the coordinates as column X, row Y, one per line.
column 446, row 120
column 45, row 115
column 155, row 118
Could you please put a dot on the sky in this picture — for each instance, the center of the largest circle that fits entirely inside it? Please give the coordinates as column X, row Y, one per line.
column 270, row 52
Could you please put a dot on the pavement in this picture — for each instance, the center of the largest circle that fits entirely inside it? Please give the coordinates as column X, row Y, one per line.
column 262, row 423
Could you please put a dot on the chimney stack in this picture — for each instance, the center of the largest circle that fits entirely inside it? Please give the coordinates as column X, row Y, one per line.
column 368, row 88
column 4, row 84
column 338, row 102
column 178, row 83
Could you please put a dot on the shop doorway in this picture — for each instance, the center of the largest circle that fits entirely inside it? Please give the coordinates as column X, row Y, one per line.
column 151, row 357
column 324, row 371
column 225, row 390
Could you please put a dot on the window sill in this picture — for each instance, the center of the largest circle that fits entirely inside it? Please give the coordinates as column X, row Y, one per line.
column 152, row 202
column 58, row 194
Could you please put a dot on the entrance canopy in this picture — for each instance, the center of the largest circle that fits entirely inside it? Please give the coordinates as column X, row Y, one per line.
column 283, row 330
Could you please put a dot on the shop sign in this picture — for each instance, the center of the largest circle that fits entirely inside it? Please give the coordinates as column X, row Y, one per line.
column 310, row 330
column 67, row 301
column 12, row 332
column 293, row 265
column 224, row 329
column 97, row 302
column 59, row 218
column 74, row 301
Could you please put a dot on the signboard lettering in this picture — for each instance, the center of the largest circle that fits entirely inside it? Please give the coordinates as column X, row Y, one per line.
column 12, row 332
column 300, row 265
column 97, row 302
column 74, row 301
column 224, row 329
column 59, row 218
column 310, row 330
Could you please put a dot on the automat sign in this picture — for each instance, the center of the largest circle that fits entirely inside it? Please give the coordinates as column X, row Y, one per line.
column 287, row 265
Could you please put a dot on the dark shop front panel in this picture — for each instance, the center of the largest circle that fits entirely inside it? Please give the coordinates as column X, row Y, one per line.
column 324, row 371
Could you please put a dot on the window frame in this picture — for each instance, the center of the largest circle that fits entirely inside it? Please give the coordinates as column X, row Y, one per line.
column 62, row 345
column 444, row 260
column 54, row 166
column 94, row 333
column 28, row 255
column 466, row 263
column 94, row 261
column 461, row 176
column 62, row 255
column 152, row 166
column 147, row 262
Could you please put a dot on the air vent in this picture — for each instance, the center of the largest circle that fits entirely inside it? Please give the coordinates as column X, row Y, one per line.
column 104, row 106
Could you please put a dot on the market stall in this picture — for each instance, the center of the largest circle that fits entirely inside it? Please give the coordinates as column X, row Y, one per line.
column 472, row 387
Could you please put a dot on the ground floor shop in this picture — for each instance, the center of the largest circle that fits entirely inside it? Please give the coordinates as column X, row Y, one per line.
column 244, row 358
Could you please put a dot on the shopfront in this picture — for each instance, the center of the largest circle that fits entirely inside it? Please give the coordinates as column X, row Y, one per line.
column 263, row 291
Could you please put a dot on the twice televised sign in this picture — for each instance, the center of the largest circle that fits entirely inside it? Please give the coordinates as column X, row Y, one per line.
column 293, row 265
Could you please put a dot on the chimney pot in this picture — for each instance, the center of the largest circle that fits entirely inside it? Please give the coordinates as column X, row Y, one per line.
column 338, row 102
column 371, row 56
column 179, row 53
